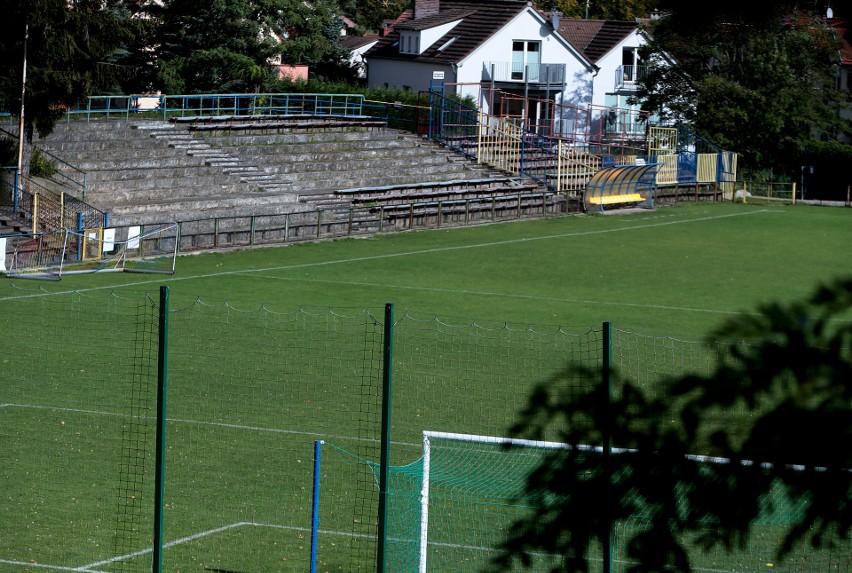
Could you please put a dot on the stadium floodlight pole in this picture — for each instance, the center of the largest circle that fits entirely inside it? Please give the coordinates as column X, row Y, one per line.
column 160, row 470
column 387, row 366
column 21, row 122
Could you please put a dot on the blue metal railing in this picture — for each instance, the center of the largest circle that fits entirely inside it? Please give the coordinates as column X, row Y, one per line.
column 245, row 105
column 689, row 140
column 183, row 105
column 456, row 125
column 73, row 175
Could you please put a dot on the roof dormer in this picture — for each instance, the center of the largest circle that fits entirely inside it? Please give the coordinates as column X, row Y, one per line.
column 418, row 35
column 409, row 42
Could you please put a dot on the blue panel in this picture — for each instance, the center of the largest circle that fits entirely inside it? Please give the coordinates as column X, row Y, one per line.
column 687, row 167
column 725, row 166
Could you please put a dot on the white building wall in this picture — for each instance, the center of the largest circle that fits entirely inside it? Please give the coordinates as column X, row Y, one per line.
column 605, row 81
column 432, row 35
column 357, row 59
column 527, row 26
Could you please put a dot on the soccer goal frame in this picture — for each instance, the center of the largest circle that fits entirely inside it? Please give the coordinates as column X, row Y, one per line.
column 116, row 249
column 428, row 437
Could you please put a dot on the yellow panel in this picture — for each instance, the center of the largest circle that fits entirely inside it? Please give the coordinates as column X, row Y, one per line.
column 706, row 172
column 613, row 199
column 667, row 172
column 662, row 140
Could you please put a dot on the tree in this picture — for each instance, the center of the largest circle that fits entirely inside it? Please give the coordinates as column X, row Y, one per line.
column 788, row 369
column 74, row 49
column 762, row 64
column 229, row 46
column 218, row 46
column 599, row 9
column 371, row 14
column 312, row 35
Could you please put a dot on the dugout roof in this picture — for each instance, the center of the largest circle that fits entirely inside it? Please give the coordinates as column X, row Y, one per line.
column 620, row 185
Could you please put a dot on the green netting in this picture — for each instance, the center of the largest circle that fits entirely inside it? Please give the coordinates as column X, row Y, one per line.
column 452, row 509
column 76, row 435
column 249, row 393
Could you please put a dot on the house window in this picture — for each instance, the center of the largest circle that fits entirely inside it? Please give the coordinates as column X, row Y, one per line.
column 526, row 57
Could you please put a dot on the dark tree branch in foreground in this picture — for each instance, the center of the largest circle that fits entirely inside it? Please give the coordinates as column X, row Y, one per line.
column 777, row 406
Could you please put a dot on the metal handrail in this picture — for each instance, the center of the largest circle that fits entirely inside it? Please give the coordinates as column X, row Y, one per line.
column 78, row 183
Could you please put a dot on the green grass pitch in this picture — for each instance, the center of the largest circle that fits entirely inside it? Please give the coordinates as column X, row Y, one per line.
column 675, row 271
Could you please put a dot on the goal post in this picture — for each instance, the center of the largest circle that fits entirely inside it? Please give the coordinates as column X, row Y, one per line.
column 472, row 491
column 36, row 256
column 132, row 248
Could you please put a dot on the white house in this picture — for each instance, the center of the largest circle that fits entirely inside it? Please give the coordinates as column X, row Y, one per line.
column 475, row 48
column 613, row 47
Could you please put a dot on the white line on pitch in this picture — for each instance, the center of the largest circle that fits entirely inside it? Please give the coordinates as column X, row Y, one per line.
column 45, row 566
column 204, row 423
column 503, row 295
column 162, row 280
column 187, row 539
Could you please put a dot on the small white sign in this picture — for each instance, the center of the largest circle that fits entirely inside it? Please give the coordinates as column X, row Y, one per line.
column 437, row 75
column 109, row 240
column 3, row 255
column 133, row 237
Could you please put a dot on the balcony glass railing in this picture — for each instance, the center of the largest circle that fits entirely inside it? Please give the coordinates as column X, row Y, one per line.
column 628, row 77
column 523, row 72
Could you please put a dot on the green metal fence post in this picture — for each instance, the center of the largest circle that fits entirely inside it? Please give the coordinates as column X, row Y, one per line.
column 606, row 391
column 387, row 367
column 160, row 470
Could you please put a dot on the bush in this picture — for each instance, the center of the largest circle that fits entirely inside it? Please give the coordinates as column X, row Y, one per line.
column 41, row 166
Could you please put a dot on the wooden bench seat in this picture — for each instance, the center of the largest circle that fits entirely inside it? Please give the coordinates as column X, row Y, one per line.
column 470, row 183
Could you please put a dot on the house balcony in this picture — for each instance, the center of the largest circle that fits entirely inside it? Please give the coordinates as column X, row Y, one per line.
column 627, row 78
column 524, row 73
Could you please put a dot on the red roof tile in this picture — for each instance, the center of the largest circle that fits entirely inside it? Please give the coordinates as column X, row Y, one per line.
column 594, row 38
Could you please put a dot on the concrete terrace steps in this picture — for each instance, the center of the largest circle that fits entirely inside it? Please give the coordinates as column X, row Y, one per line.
column 285, row 139
column 320, row 154
column 223, row 205
column 289, row 171
column 154, row 171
